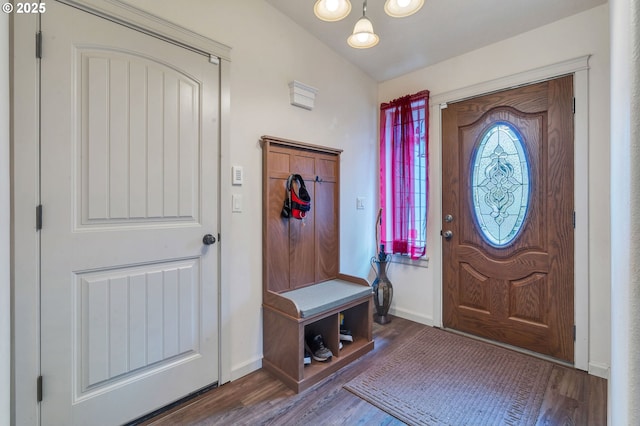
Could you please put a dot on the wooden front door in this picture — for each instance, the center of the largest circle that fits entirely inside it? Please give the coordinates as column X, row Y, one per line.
column 508, row 217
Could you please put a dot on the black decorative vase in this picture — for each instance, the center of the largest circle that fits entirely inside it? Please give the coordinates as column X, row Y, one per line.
column 382, row 288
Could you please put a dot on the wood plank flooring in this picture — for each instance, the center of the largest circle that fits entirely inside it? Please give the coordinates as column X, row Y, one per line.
column 572, row 398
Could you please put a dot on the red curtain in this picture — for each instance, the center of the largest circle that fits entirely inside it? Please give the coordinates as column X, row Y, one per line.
column 403, row 221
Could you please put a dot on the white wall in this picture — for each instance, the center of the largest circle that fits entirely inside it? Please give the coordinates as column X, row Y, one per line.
column 5, row 293
column 624, row 386
column 269, row 51
column 582, row 34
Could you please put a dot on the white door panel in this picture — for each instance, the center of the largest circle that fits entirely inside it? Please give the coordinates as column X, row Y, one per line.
column 129, row 187
column 140, row 134
column 134, row 320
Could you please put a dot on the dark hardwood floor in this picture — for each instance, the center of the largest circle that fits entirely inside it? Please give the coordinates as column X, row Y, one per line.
column 572, row 398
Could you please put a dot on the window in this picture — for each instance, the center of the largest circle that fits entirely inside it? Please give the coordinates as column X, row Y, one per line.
column 404, row 161
column 500, row 184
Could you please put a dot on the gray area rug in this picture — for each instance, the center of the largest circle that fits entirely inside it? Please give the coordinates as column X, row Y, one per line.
column 441, row 378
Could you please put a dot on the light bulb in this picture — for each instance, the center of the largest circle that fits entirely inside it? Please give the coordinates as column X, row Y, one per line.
column 332, row 10
column 402, row 8
column 332, row 5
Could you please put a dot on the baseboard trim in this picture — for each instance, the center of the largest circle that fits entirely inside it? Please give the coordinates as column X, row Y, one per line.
column 241, row 370
column 413, row 316
column 599, row 370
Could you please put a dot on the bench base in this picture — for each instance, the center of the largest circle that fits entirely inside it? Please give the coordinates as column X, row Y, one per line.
column 284, row 338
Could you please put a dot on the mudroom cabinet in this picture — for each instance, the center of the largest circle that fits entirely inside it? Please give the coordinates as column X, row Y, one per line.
column 303, row 290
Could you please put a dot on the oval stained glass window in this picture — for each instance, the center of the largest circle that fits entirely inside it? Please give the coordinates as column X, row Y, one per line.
column 500, row 184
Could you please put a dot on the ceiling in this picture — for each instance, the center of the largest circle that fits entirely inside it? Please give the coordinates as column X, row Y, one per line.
column 442, row 29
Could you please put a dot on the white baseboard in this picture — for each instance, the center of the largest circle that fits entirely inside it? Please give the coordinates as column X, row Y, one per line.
column 413, row 316
column 241, row 370
column 599, row 370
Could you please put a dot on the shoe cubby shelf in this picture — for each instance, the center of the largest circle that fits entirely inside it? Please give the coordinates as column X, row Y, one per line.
column 303, row 291
column 284, row 342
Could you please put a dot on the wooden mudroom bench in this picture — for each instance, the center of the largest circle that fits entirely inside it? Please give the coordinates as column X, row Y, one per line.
column 303, row 291
column 314, row 310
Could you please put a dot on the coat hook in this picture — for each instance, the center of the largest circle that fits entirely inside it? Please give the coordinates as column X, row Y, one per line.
column 318, row 179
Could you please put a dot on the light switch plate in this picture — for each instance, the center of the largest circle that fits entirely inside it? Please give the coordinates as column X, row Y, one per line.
column 236, row 203
column 237, row 175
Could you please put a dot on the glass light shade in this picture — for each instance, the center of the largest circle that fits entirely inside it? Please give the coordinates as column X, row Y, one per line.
column 402, row 8
column 363, row 36
column 332, row 10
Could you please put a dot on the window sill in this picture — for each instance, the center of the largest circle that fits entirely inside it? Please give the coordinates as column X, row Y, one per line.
column 423, row 262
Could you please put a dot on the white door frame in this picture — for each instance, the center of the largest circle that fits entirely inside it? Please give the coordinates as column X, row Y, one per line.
column 26, row 188
column 579, row 67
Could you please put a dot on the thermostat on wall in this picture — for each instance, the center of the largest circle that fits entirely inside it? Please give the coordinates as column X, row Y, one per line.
column 237, row 175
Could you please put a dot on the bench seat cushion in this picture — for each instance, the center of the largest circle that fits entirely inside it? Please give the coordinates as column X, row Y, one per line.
column 324, row 296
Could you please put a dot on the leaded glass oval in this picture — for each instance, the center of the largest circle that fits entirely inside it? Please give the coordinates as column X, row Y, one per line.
column 500, row 184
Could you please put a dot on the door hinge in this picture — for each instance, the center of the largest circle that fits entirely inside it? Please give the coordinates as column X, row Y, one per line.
column 39, row 389
column 574, row 220
column 39, row 217
column 573, row 108
column 39, row 45
column 574, row 333
column 218, row 238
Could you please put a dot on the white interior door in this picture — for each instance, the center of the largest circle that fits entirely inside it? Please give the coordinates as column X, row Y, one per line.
column 129, row 167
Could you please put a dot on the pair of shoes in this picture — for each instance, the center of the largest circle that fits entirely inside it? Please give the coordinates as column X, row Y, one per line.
column 345, row 335
column 318, row 350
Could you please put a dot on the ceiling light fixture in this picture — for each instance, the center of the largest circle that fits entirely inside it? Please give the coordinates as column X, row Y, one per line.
column 363, row 35
column 332, row 10
column 402, row 8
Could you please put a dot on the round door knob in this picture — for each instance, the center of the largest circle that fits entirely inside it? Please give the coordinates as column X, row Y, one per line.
column 208, row 239
column 447, row 235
